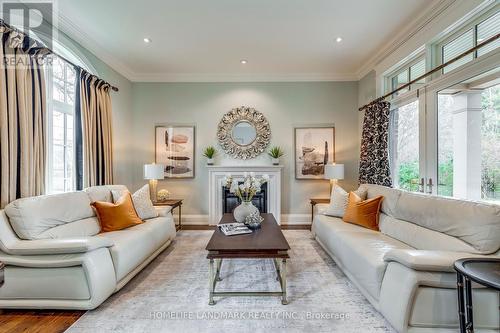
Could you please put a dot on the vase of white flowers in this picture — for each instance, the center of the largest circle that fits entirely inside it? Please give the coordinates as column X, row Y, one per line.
column 245, row 189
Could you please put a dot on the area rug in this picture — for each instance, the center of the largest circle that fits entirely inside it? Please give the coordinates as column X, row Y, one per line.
column 171, row 295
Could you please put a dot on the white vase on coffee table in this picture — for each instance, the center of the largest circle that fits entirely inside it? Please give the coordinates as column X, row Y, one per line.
column 243, row 210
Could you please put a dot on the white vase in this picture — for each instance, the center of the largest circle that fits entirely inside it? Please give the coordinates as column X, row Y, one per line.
column 276, row 161
column 243, row 210
column 210, row 161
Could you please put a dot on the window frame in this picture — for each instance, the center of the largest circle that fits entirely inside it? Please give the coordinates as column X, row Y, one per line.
column 66, row 109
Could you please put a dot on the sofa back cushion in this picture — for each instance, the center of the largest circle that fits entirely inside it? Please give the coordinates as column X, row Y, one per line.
column 477, row 224
column 32, row 218
column 421, row 238
column 103, row 192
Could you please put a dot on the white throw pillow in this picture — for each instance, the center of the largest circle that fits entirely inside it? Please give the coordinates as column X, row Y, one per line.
column 142, row 202
column 339, row 199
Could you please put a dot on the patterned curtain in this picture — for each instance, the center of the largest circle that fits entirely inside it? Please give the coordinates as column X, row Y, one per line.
column 93, row 136
column 22, row 116
column 374, row 166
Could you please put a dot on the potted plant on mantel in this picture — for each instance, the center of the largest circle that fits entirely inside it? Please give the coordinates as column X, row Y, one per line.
column 275, row 152
column 209, row 153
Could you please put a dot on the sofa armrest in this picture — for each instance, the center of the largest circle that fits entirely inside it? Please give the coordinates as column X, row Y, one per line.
column 58, row 246
column 320, row 208
column 163, row 210
column 429, row 261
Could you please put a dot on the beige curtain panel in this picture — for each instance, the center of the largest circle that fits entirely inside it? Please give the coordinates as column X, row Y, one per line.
column 22, row 117
column 94, row 158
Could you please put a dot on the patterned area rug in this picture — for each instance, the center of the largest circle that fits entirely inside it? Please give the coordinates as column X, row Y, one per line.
column 171, row 295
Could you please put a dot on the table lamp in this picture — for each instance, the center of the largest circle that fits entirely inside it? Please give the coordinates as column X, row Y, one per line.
column 153, row 172
column 334, row 172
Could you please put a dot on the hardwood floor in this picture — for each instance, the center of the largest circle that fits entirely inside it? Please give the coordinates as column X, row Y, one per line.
column 50, row 321
column 37, row 321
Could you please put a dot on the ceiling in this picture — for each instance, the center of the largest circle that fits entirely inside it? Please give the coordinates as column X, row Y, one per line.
column 204, row 40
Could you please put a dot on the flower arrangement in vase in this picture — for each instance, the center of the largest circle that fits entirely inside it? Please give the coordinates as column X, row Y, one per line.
column 245, row 191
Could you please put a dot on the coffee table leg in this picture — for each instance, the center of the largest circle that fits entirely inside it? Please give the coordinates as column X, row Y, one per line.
column 211, row 285
column 217, row 274
column 277, row 266
column 284, row 301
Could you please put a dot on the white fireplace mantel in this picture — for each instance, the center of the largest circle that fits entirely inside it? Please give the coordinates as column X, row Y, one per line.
column 216, row 174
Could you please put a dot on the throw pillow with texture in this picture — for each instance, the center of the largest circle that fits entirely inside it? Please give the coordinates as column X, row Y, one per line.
column 116, row 216
column 142, row 202
column 339, row 199
column 364, row 213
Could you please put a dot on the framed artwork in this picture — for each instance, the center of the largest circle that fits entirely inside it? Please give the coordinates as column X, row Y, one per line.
column 314, row 148
column 174, row 148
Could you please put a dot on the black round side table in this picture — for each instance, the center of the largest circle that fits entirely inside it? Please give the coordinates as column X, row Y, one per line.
column 1, row 273
column 483, row 271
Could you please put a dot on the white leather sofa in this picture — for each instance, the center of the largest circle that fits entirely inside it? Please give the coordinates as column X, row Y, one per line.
column 55, row 257
column 406, row 269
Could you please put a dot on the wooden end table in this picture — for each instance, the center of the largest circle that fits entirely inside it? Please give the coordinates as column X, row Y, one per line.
column 268, row 242
column 314, row 202
column 483, row 271
column 174, row 203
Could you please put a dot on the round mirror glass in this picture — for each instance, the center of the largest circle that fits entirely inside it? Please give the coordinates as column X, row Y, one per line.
column 243, row 133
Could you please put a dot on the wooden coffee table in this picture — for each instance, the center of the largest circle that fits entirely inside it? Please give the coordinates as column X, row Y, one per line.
column 268, row 242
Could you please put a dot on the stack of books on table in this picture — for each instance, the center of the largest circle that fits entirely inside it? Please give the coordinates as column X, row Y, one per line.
column 231, row 229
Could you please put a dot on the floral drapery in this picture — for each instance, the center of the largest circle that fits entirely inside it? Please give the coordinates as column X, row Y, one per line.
column 374, row 166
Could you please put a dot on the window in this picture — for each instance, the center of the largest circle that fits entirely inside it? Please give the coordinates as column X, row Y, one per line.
column 476, row 34
column 404, row 146
column 469, row 139
column 61, row 91
column 406, row 73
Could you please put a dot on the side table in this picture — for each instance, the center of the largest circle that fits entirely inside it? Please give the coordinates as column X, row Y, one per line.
column 483, row 271
column 174, row 203
column 314, row 202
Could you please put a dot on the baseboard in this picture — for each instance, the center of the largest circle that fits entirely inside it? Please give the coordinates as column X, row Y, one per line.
column 286, row 219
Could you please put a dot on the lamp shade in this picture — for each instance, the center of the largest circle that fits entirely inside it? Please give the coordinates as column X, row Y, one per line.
column 334, row 171
column 154, row 171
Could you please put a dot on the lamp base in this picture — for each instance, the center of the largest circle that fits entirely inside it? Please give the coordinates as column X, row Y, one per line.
column 153, row 193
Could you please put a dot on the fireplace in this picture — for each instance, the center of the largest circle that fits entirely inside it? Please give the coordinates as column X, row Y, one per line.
column 269, row 201
column 231, row 201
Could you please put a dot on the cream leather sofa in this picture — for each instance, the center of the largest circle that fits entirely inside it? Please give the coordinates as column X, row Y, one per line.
column 406, row 269
column 56, row 258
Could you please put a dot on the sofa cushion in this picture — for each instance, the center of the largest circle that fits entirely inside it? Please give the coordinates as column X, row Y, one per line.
column 477, row 224
column 134, row 245
column 117, row 216
column 359, row 250
column 421, row 238
column 142, row 202
column 32, row 217
column 103, row 192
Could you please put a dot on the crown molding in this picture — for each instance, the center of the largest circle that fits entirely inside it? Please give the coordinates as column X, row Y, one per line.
column 71, row 30
column 404, row 35
column 226, row 77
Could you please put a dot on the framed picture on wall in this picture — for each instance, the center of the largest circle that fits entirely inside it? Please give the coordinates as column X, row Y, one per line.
column 174, row 148
column 314, row 148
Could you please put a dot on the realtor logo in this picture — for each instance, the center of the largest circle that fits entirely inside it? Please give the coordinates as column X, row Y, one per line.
column 33, row 18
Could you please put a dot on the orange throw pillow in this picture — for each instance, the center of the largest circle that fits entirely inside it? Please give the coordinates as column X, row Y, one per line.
column 363, row 212
column 116, row 216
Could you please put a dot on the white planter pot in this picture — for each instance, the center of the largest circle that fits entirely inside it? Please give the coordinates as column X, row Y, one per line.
column 276, row 161
column 210, row 161
column 243, row 210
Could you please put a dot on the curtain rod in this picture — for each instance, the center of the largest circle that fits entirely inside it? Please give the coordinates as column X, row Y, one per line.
column 2, row 22
column 458, row 57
